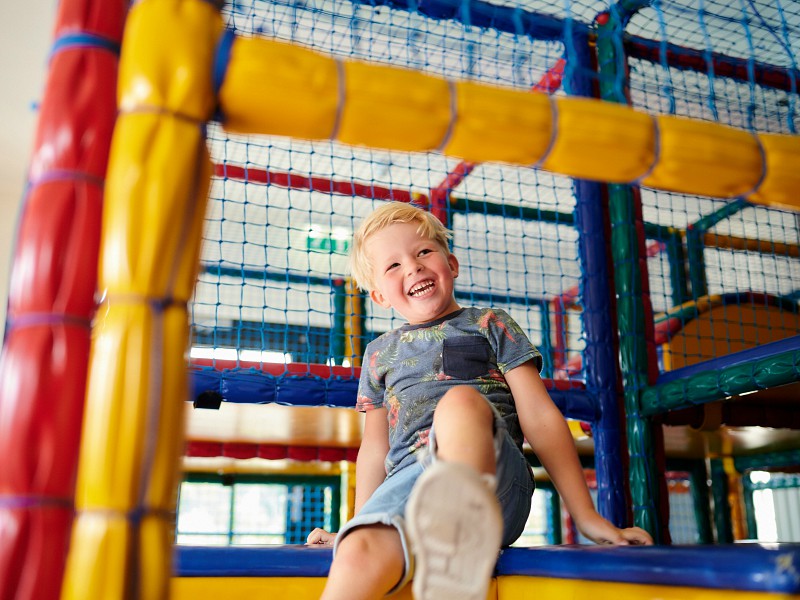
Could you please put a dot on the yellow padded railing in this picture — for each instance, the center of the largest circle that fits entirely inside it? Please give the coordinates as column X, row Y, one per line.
column 275, row 88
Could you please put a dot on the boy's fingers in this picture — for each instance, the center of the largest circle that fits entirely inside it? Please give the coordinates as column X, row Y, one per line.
column 314, row 537
column 320, row 536
column 638, row 537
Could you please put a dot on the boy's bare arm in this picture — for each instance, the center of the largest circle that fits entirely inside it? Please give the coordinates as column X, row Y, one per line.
column 370, row 464
column 370, row 469
column 548, row 434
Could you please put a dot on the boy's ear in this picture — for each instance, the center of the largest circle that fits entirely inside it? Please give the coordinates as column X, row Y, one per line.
column 453, row 262
column 379, row 299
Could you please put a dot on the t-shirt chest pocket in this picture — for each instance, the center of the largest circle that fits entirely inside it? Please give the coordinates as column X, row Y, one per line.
column 466, row 357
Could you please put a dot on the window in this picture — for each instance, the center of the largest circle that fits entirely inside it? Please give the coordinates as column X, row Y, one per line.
column 239, row 510
column 772, row 506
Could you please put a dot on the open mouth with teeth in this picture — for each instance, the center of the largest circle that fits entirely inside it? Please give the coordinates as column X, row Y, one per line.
column 421, row 288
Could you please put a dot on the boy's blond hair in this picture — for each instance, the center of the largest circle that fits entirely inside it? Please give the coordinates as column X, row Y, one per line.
column 389, row 214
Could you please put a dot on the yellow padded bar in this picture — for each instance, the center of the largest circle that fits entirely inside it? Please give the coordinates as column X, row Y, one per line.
column 601, row 140
column 502, row 588
column 248, row 588
column 353, row 334
column 274, row 88
column 272, row 588
column 781, row 181
column 512, row 127
column 534, row 588
column 156, row 156
column 706, row 159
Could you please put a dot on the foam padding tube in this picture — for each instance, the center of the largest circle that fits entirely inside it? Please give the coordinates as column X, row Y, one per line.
column 159, row 156
column 386, row 107
column 274, row 588
column 125, row 367
column 130, row 454
column 167, row 58
column 258, row 73
column 248, row 588
column 782, row 180
column 601, row 141
column 156, row 193
column 58, row 236
column 274, row 88
column 98, row 560
column 534, row 588
column 51, row 300
column 500, row 124
column 705, row 159
column 354, row 322
column 107, row 563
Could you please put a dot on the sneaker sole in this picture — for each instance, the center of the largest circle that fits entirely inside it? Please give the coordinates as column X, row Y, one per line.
column 455, row 526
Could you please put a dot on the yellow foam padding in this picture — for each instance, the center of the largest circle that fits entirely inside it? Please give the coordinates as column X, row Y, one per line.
column 130, row 452
column 155, row 204
column 99, row 567
column 720, row 330
column 707, row 159
column 96, row 565
column 246, row 588
column 500, row 124
column 156, row 545
column 275, row 88
column 782, row 181
column 535, row 588
column 129, row 448
column 168, row 49
column 353, row 340
column 601, row 140
column 278, row 89
column 387, row 107
column 273, row 588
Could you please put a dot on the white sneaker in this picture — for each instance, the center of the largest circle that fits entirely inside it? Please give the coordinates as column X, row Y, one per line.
column 454, row 522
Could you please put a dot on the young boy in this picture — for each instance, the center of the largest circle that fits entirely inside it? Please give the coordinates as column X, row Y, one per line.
column 441, row 481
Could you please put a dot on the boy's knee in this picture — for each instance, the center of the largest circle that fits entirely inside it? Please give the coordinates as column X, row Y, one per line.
column 464, row 401
column 373, row 552
column 371, row 544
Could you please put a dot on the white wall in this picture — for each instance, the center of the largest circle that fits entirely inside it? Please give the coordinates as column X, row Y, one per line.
column 25, row 41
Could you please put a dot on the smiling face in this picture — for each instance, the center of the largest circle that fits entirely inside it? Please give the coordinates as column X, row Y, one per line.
column 413, row 274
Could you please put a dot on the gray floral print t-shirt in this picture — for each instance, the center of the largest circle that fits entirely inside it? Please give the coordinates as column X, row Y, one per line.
column 409, row 369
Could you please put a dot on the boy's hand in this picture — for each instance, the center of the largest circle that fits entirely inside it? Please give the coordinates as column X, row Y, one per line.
column 636, row 536
column 320, row 537
column 600, row 531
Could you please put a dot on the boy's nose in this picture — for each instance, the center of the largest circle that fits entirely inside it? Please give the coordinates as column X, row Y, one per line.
column 414, row 267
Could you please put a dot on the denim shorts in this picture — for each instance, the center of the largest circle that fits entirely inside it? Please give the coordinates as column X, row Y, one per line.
column 514, row 491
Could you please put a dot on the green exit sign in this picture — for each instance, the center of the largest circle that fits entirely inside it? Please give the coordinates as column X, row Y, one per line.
column 318, row 242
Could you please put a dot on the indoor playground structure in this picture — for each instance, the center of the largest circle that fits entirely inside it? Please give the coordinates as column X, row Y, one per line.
column 621, row 177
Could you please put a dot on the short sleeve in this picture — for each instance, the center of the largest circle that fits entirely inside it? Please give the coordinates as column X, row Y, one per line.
column 371, row 385
column 511, row 345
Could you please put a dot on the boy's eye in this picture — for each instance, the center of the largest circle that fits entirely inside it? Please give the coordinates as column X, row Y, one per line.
column 392, row 266
column 425, row 251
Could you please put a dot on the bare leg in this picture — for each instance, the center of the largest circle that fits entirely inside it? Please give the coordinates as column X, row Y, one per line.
column 464, row 423
column 453, row 517
column 369, row 562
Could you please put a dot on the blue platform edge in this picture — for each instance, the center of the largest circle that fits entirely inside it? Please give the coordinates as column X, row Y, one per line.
column 747, row 566
column 251, row 386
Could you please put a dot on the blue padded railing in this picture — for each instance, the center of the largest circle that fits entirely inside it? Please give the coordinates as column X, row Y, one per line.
column 773, row 568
